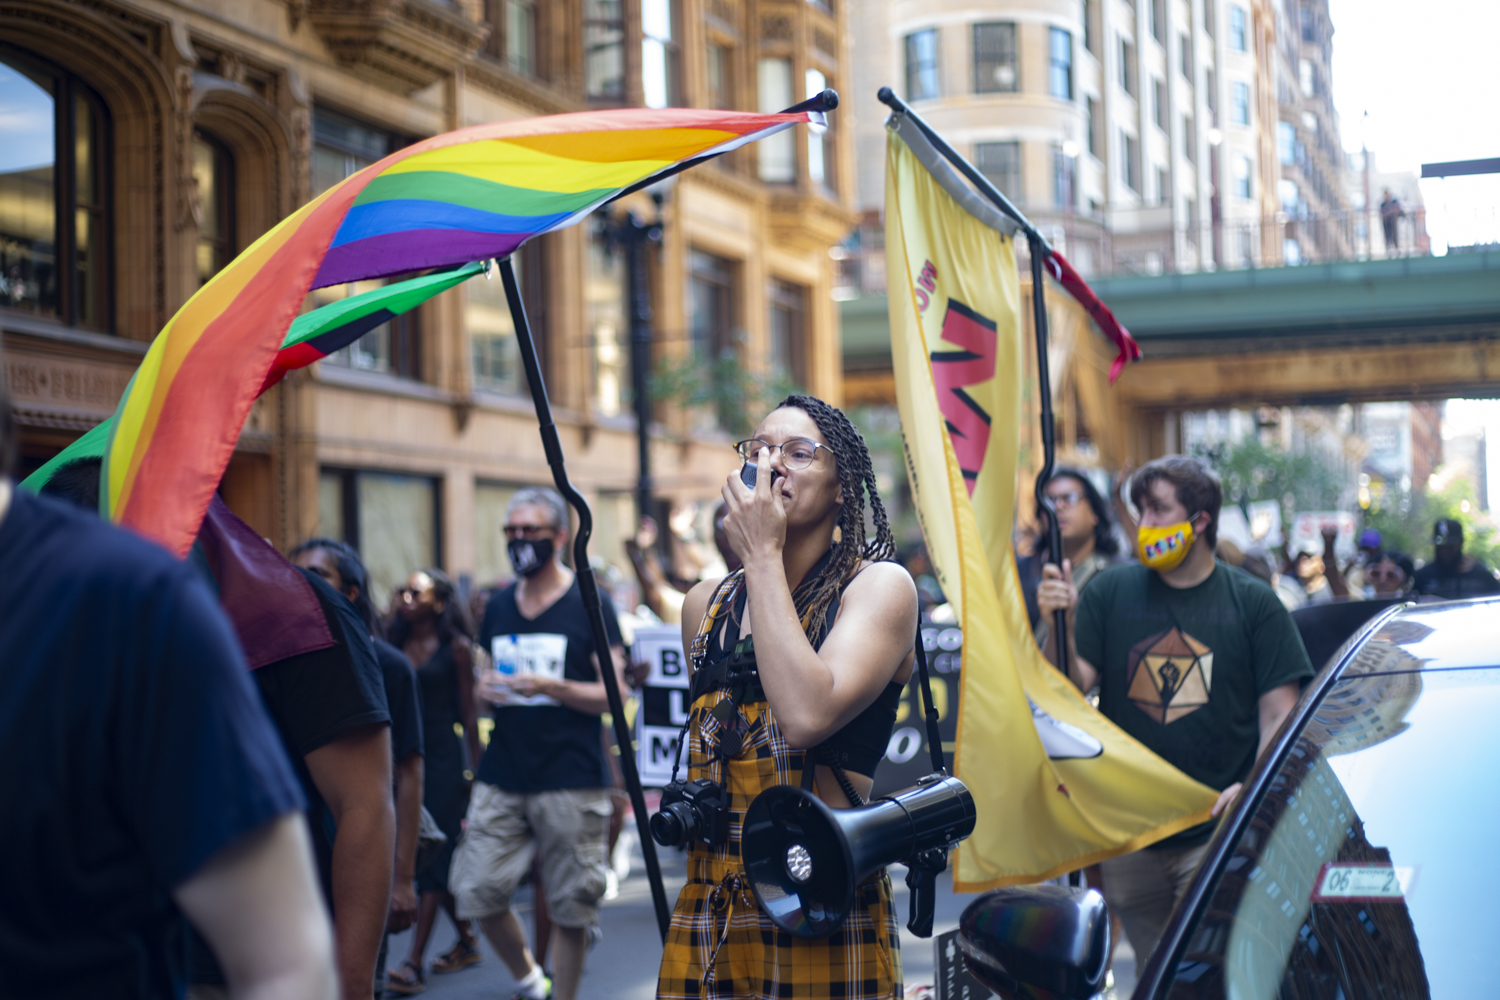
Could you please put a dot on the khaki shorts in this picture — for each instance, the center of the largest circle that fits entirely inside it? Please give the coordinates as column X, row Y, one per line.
column 569, row 826
column 1143, row 888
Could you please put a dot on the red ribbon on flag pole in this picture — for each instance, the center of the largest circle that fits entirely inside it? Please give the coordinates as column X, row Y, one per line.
column 1130, row 351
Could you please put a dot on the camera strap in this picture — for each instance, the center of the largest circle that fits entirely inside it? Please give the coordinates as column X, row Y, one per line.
column 934, row 737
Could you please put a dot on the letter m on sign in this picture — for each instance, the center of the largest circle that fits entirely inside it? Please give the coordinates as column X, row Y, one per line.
column 968, row 423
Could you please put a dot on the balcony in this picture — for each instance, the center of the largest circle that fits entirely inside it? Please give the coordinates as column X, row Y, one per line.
column 402, row 45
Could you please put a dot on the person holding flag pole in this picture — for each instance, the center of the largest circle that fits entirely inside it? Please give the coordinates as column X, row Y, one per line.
column 1057, row 786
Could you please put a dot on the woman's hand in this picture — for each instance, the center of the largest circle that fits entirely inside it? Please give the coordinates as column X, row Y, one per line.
column 493, row 688
column 755, row 523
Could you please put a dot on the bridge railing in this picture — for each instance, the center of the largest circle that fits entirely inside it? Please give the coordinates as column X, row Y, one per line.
column 1137, row 242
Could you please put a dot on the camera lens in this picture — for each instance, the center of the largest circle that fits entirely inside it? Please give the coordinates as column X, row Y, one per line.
column 674, row 825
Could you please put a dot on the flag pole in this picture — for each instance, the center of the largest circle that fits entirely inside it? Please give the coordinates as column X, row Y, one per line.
column 589, row 589
column 1040, row 249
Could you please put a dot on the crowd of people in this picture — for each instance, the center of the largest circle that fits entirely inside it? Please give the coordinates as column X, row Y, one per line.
column 234, row 775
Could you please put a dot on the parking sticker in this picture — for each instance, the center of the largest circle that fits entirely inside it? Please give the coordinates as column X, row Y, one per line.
column 1363, row 882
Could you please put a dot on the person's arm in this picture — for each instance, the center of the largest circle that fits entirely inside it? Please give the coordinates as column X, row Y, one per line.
column 1331, row 570
column 257, row 905
column 1056, row 593
column 409, row 775
column 588, row 697
column 353, row 774
column 468, row 714
column 815, row 692
column 1273, row 707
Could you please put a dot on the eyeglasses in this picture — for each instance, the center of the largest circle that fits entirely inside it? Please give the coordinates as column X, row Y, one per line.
column 1070, row 499
column 527, row 531
column 796, row 453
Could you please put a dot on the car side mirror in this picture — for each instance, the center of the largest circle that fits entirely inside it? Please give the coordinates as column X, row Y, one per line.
column 1038, row 942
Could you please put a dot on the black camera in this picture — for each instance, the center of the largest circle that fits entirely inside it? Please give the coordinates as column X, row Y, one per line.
column 692, row 810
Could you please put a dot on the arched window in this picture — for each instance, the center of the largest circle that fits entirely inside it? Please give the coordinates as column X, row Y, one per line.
column 54, row 195
column 213, row 170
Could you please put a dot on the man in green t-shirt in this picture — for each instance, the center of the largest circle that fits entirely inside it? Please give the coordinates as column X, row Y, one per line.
column 1195, row 659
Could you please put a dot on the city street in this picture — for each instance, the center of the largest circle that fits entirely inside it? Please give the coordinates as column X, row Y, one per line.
column 623, row 965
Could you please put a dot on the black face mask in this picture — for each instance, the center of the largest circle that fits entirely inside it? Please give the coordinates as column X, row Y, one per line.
column 529, row 555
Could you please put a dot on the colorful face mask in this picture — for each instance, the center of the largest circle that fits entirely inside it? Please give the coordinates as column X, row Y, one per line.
column 1163, row 549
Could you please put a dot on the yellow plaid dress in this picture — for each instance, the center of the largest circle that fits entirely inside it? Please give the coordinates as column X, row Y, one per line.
column 721, row 945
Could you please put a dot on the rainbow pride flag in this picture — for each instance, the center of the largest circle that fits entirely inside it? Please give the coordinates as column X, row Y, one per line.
column 464, row 196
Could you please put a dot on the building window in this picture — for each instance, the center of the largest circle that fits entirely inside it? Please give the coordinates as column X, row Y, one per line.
column 711, row 302
column 1096, row 128
column 607, row 316
column 1189, row 140
column 391, row 520
column 1286, row 143
column 342, row 146
column 513, row 34
column 720, row 77
column 492, row 334
column 777, row 153
column 1208, row 18
column 789, row 330
column 1130, row 167
column 1211, row 93
column 994, row 58
column 604, row 49
column 1062, row 178
column 1242, row 174
column 818, row 145
column 1090, row 36
column 1307, row 77
column 1239, row 103
column 1001, row 163
column 1290, row 198
column 1060, row 71
column 1237, row 39
column 921, row 65
column 1163, row 187
column 1159, row 20
column 1159, row 103
column 54, row 196
column 1309, row 25
column 1127, row 67
column 1185, row 48
column 660, row 54
column 213, row 173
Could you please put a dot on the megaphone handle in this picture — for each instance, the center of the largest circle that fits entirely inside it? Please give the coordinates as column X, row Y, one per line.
column 921, row 880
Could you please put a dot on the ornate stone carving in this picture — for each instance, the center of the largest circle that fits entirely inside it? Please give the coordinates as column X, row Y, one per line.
column 403, row 45
column 776, row 28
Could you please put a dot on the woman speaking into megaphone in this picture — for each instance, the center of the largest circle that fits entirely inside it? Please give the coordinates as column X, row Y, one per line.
column 799, row 662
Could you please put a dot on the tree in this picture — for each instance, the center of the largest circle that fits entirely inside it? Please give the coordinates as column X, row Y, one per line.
column 1405, row 518
column 1298, row 481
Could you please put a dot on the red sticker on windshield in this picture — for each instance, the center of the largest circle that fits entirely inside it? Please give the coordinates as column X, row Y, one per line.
column 1363, row 882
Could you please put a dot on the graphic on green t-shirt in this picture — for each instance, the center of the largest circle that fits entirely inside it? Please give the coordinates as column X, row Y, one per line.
column 1170, row 675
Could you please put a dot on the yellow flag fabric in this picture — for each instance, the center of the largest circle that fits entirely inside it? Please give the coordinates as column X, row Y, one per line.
column 1057, row 786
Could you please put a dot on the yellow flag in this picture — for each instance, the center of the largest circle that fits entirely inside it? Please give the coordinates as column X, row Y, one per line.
column 1057, row 786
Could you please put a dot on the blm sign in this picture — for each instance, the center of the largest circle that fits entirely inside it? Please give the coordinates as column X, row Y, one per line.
column 663, row 701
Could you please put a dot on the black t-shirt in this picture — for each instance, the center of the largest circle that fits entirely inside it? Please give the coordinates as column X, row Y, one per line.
column 322, row 696
column 1477, row 581
column 402, row 698
column 135, row 748
column 541, row 747
column 1183, row 670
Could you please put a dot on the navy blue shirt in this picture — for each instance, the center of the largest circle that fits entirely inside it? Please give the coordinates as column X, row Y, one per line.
column 539, row 748
column 404, row 699
column 135, row 748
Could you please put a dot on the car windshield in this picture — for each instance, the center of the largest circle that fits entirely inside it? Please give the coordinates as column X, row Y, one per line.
column 1361, row 873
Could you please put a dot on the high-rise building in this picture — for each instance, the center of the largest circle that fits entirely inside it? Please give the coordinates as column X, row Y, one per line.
column 148, row 142
column 1134, row 134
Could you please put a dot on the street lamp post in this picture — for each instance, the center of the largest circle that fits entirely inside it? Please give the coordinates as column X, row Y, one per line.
column 632, row 235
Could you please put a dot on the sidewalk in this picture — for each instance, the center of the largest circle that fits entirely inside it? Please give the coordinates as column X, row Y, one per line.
column 623, row 965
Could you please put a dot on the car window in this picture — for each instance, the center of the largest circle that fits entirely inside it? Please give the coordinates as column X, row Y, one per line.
column 1362, row 870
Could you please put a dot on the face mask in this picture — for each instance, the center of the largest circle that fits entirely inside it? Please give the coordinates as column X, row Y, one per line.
column 1164, row 549
column 528, row 555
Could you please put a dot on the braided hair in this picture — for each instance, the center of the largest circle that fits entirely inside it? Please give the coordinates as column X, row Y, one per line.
column 815, row 595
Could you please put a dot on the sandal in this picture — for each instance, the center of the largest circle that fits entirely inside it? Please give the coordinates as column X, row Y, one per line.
column 460, row 956
column 403, row 983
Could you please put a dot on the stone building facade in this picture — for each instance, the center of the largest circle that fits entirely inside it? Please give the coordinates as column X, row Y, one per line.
column 153, row 141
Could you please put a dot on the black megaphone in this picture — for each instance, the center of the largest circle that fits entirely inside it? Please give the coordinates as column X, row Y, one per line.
column 805, row 859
